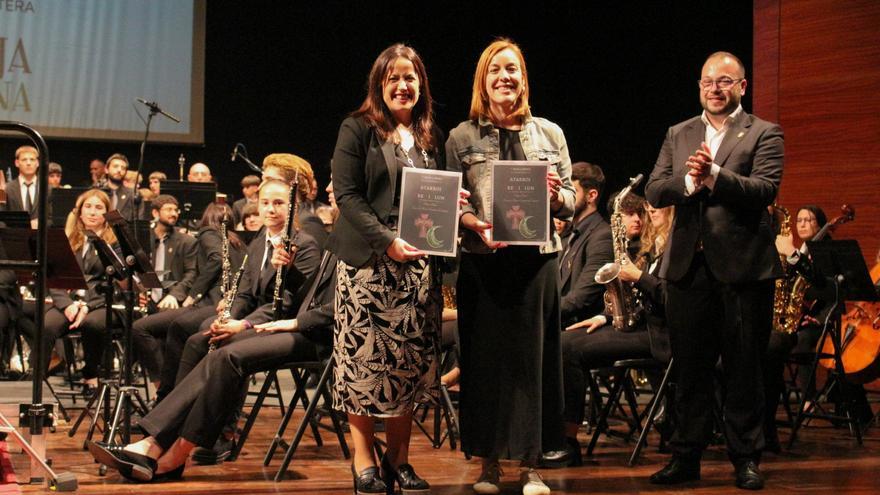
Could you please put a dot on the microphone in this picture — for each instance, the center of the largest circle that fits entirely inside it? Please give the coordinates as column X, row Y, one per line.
column 234, row 153
column 155, row 108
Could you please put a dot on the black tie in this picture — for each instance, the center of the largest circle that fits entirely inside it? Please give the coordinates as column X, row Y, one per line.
column 28, row 201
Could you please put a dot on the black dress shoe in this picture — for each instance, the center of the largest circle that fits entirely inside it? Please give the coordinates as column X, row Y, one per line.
column 570, row 456
column 221, row 451
column 368, row 481
column 132, row 466
column 677, row 471
column 406, row 478
column 173, row 475
column 748, row 477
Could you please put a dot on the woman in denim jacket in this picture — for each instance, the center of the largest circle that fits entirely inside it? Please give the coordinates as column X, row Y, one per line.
column 509, row 322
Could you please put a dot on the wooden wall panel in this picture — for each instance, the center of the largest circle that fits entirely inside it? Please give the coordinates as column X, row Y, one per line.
column 817, row 69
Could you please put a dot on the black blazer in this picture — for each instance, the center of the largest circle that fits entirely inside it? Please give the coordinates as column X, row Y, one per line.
column 590, row 249
column 181, row 252
column 731, row 221
column 364, row 182
column 13, row 197
column 209, row 266
column 257, row 287
column 93, row 271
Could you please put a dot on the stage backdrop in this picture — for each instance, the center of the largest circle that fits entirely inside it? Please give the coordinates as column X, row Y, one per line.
column 816, row 70
column 74, row 68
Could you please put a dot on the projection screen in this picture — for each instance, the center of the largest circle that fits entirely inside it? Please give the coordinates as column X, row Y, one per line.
column 74, row 68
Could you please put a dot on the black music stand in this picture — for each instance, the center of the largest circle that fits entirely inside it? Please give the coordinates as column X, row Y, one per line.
column 194, row 198
column 114, row 269
column 137, row 263
column 19, row 243
column 840, row 274
column 62, row 201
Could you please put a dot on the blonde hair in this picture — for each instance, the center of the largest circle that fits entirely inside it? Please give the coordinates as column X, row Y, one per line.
column 654, row 239
column 479, row 96
column 292, row 166
column 22, row 149
column 76, row 230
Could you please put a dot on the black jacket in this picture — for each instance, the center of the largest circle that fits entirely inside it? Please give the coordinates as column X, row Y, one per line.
column 209, row 263
column 364, row 183
column 590, row 247
column 257, row 287
column 730, row 221
column 181, row 252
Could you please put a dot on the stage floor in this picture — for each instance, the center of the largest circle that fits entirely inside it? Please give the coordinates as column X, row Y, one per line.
column 824, row 459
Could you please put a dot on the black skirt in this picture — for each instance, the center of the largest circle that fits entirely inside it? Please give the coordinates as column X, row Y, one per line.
column 511, row 371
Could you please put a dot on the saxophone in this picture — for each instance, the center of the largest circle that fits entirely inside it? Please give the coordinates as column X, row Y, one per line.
column 286, row 242
column 621, row 298
column 788, row 296
column 229, row 296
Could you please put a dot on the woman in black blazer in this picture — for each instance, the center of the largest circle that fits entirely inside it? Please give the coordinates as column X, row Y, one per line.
column 387, row 302
column 82, row 310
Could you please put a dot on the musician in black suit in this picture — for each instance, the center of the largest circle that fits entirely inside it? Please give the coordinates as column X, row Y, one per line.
column 196, row 411
column 721, row 170
column 22, row 194
column 588, row 247
column 81, row 310
column 122, row 199
column 174, row 257
column 279, row 167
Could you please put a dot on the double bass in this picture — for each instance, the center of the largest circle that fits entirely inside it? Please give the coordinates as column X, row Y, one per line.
column 860, row 340
column 859, row 330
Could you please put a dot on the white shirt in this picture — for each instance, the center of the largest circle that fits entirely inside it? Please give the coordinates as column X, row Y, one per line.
column 270, row 241
column 713, row 139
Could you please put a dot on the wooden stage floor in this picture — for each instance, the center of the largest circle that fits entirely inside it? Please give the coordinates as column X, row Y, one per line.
column 824, row 460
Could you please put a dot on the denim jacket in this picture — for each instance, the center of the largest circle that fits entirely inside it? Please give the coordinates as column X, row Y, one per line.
column 472, row 145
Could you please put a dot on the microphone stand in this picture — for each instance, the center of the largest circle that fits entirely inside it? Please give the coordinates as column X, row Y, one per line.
column 244, row 156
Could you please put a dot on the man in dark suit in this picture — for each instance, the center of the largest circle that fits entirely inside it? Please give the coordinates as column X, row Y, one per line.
column 588, row 248
column 22, row 193
column 123, row 199
column 721, row 170
column 174, row 259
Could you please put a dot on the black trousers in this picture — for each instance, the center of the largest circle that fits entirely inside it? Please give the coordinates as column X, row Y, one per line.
column 179, row 330
column 148, row 338
column 94, row 336
column 707, row 319
column 199, row 407
column 582, row 352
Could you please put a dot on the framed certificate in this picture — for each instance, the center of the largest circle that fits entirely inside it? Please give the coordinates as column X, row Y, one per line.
column 520, row 212
column 428, row 216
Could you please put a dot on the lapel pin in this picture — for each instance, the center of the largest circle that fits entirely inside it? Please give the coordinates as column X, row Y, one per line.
column 170, row 249
column 741, row 134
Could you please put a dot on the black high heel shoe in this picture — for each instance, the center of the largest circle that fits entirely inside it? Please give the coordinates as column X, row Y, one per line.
column 368, row 481
column 406, row 478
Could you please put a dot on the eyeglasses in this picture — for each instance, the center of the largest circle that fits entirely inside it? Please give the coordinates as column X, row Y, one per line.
column 723, row 83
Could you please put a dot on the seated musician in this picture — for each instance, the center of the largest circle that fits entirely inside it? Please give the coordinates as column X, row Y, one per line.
column 196, row 410
column 807, row 330
column 80, row 310
column 174, row 255
column 594, row 343
column 257, row 284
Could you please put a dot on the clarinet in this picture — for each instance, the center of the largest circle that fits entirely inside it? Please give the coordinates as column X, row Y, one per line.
column 286, row 243
column 228, row 298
